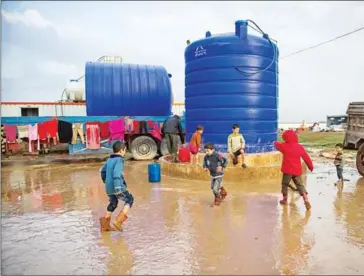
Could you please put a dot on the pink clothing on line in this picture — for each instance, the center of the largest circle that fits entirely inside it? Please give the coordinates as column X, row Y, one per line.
column 93, row 136
column 10, row 133
column 117, row 130
column 156, row 133
column 33, row 136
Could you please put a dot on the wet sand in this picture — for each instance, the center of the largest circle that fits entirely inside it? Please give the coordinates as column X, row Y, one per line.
column 50, row 225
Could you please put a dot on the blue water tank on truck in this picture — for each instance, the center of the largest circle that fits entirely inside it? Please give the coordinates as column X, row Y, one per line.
column 141, row 91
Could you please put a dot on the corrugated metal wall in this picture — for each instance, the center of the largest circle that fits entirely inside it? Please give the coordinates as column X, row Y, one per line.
column 14, row 109
column 66, row 109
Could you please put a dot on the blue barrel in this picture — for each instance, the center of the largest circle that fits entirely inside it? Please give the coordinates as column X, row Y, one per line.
column 119, row 89
column 233, row 79
column 154, row 172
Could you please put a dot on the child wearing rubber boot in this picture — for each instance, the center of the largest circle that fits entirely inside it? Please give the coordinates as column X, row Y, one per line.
column 339, row 163
column 215, row 163
column 291, row 165
column 113, row 177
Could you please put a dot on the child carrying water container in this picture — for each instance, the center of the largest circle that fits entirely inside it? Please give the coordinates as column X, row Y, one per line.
column 215, row 163
column 195, row 144
column 113, row 177
column 291, row 165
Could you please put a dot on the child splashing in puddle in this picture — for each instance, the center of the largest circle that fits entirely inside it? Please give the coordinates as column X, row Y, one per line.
column 291, row 165
column 215, row 163
column 113, row 177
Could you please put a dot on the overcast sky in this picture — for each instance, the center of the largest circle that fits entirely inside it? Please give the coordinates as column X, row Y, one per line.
column 44, row 44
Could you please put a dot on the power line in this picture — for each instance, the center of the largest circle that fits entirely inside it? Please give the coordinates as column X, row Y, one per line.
column 322, row 43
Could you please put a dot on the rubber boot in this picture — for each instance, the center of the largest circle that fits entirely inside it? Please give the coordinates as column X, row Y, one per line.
column 307, row 203
column 120, row 220
column 223, row 193
column 217, row 201
column 105, row 224
column 284, row 200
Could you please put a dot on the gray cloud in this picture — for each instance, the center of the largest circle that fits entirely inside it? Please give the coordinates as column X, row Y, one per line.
column 312, row 84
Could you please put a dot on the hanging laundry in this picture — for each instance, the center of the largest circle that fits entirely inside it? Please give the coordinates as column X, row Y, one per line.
column 117, row 130
column 93, row 135
column 150, row 124
column 10, row 133
column 136, row 126
column 3, row 141
column 23, row 132
column 77, row 130
column 156, row 133
column 104, row 130
column 129, row 125
column 52, row 129
column 42, row 131
column 64, row 132
column 143, row 127
column 33, row 136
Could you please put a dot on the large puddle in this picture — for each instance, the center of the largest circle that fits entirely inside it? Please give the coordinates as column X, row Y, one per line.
column 50, row 225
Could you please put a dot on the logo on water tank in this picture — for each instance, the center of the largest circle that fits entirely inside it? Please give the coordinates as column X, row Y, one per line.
column 200, row 51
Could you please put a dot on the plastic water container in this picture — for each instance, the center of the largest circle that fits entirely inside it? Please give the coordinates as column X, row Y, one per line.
column 154, row 172
column 184, row 155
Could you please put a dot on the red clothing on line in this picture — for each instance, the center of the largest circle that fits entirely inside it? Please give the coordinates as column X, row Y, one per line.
column 150, row 124
column 92, row 135
column 52, row 127
column 42, row 131
column 292, row 154
column 136, row 126
column 10, row 133
column 104, row 130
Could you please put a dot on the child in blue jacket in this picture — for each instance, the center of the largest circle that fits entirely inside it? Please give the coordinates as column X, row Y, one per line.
column 115, row 186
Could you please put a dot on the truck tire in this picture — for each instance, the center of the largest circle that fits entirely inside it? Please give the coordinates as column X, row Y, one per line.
column 360, row 160
column 143, row 148
column 164, row 148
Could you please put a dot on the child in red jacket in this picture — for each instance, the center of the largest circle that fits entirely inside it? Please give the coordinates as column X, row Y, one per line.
column 291, row 165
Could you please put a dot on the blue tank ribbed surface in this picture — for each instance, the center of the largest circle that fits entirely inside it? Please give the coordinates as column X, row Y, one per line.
column 233, row 79
column 119, row 89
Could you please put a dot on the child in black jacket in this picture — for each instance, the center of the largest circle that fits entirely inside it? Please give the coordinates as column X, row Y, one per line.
column 215, row 163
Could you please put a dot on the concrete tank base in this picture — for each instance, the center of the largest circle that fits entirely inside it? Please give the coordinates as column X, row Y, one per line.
column 261, row 167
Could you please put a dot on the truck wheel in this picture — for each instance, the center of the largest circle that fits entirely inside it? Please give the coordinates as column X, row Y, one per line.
column 164, row 148
column 360, row 160
column 143, row 148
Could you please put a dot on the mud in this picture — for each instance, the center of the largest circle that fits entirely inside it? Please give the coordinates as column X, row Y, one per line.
column 50, row 225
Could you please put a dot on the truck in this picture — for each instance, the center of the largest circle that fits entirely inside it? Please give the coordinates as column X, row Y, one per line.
column 354, row 135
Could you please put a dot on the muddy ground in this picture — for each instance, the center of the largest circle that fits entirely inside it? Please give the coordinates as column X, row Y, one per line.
column 50, row 225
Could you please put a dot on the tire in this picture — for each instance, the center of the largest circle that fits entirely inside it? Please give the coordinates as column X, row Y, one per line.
column 360, row 160
column 143, row 148
column 164, row 148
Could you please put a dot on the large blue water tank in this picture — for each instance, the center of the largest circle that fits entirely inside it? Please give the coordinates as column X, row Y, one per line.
column 233, row 79
column 119, row 89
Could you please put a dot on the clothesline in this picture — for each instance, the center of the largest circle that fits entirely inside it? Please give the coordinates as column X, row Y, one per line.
column 59, row 131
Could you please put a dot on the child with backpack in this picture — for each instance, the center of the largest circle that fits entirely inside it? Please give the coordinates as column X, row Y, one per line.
column 116, row 189
column 291, row 166
column 215, row 163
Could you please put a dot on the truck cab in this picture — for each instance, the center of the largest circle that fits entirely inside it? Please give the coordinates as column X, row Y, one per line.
column 354, row 135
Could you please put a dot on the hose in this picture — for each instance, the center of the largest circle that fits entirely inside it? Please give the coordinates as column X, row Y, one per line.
column 266, row 36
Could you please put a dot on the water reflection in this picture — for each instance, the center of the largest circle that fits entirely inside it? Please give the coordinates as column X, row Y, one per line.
column 50, row 216
column 349, row 209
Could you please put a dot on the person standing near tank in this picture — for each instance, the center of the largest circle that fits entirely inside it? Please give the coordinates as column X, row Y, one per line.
column 171, row 129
